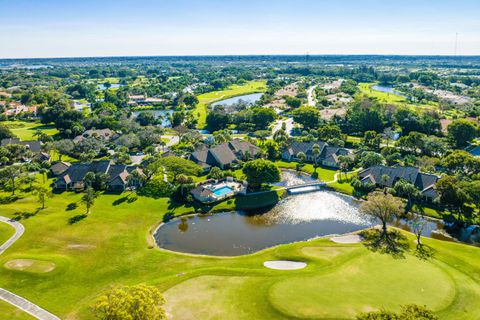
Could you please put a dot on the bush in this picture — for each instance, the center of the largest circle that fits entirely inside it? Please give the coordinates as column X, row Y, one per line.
column 157, row 188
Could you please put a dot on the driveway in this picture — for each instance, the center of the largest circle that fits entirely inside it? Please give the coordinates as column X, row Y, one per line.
column 289, row 124
column 11, row 297
column 311, row 98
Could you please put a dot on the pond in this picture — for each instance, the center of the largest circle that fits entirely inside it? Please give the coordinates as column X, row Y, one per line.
column 388, row 90
column 295, row 218
column 249, row 99
column 163, row 114
column 112, row 86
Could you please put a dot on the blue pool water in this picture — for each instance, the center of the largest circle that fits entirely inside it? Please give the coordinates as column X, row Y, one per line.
column 222, row 191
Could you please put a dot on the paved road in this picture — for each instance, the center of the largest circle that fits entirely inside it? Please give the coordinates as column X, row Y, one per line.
column 12, row 298
column 289, row 125
column 311, row 98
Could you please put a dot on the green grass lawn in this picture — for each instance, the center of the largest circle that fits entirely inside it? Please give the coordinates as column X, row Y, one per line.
column 25, row 130
column 112, row 246
column 390, row 98
column 325, row 174
column 6, row 231
column 7, row 311
column 234, row 90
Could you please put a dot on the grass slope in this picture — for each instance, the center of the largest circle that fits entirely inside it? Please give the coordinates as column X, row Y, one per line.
column 390, row 98
column 235, row 90
column 112, row 246
column 24, row 130
column 6, row 231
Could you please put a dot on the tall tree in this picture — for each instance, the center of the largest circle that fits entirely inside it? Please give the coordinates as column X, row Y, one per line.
column 131, row 303
column 43, row 193
column 385, row 207
column 462, row 131
column 88, row 198
column 9, row 176
column 260, row 171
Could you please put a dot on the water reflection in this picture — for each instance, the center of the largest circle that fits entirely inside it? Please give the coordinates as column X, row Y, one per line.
column 296, row 218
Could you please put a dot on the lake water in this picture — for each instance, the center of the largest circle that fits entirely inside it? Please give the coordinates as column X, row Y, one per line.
column 250, row 99
column 112, row 86
column 164, row 114
column 295, row 218
column 388, row 90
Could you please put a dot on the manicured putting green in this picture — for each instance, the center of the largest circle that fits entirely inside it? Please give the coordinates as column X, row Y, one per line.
column 354, row 288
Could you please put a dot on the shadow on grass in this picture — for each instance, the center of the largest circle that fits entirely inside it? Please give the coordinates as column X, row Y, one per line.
column 9, row 199
column 424, row 252
column 23, row 215
column 392, row 243
column 77, row 218
column 71, row 206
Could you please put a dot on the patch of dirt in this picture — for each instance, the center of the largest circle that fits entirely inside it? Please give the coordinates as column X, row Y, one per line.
column 325, row 252
column 30, row 265
column 284, row 265
column 351, row 238
column 79, row 246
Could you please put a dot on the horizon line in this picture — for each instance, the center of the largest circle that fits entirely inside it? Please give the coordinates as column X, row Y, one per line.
column 244, row 55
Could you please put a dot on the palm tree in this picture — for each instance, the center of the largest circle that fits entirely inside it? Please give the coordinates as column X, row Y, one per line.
column 316, row 154
column 280, row 136
column 301, row 158
column 89, row 198
column 384, row 180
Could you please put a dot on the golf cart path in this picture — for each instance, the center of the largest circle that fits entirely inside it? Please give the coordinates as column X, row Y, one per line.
column 12, row 298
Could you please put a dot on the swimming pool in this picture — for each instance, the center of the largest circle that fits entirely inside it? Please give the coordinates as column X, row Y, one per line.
column 222, row 191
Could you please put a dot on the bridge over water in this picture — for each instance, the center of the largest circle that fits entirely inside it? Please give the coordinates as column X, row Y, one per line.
column 306, row 187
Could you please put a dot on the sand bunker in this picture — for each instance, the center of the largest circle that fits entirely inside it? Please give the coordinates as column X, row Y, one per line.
column 284, row 265
column 30, row 265
column 351, row 238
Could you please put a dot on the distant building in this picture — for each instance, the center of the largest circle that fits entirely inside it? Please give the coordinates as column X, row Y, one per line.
column 425, row 182
column 224, row 155
column 73, row 177
column 59, row 168
column 329, row 155
column 134, row 100
column 102, row 134
column 33, row 146
column 15, row 108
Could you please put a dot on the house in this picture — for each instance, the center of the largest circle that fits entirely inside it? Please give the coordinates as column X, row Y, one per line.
column 15, row 108
column 377, row 175
column 118, row 175
column 134, row 100
column 224, row 155
column 59, row 168
column 102, row 134
column 33, row 146
column 329, row 155
column 41, row 157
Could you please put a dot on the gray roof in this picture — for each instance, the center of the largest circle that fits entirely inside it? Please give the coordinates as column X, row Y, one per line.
column 327, row 153
column 423, row 181
column 34, row 146
column 117, row 173
column 223, row 154
column 306, row 147
column 59, row 167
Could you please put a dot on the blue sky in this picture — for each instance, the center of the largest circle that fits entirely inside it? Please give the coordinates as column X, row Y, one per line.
column 66, row 28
